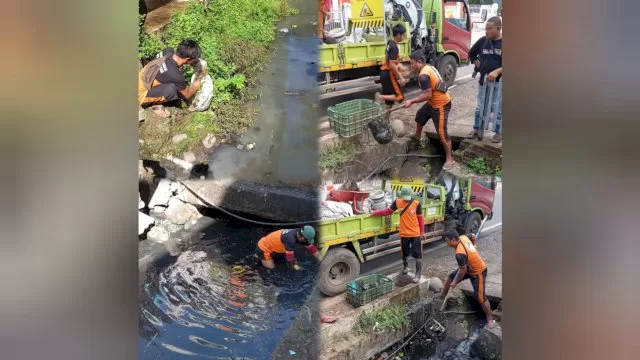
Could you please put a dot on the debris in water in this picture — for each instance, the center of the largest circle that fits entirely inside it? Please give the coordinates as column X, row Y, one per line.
column 284, row 30
column 294, row 26
column 292, row 353
column 251, row 146
column 240, row 146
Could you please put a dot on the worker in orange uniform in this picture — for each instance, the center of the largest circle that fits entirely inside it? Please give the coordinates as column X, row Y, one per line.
column 285, row 242
column 411, row 228
column 436, row 93
column 470, row 266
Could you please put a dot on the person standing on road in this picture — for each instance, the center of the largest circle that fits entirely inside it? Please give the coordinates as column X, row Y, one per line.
column 285, row 242
column 486, row 55
column 411, row 228
column 391, row 76
column 438, row 106
column 470, row 266
column 161, row 83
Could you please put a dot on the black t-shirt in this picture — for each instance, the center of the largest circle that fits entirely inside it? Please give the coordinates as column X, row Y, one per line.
column 392, row 53
column 169, row 73
column 489, row 52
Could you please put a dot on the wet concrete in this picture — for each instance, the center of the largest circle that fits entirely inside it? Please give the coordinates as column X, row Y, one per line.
column 285, row 135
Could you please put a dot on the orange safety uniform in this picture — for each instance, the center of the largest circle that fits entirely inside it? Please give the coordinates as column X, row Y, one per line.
column 438, row 98
column 409, row 225
column 475, row 264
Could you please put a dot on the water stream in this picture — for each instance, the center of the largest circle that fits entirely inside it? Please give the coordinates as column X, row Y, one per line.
column 213, row 302
column 285, row 135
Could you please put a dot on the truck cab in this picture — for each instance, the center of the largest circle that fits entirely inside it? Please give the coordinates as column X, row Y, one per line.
column 440, row 28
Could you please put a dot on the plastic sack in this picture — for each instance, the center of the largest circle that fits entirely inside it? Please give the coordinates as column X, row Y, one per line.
column 381, row 130
column 203, row 97
column 335, row 210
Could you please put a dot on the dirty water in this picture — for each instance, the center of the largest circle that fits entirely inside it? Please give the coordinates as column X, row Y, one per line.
column 424, row 347
column 213, row 302
column 285, row 135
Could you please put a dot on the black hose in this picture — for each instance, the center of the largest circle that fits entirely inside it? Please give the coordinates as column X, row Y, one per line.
column 262, row 223
column 399, row 155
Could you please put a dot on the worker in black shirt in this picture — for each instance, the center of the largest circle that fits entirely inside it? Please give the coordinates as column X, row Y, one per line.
column 161, row 83
column 392, row 73
column 486, row 55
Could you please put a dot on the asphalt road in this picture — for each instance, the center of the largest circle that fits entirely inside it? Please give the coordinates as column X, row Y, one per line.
column 392, row 262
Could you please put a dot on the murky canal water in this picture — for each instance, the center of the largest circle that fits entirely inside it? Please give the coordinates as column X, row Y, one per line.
column 285, row 134
column 213, row 302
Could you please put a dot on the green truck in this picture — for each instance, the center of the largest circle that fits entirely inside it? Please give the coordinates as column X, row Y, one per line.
column 354, row 42
column 453, row 201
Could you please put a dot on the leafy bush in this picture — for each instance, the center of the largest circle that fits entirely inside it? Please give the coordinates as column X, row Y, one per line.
column 234, row 37
column 479, row 166
column 335, row 157
column 389, row 319
column 148, row 45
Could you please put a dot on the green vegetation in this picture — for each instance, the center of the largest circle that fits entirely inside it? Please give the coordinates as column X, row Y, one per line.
column 235, row 39
column 389, row 319
column 148, row 45
column 498, row 171
column 479, row 166
column 335, row 157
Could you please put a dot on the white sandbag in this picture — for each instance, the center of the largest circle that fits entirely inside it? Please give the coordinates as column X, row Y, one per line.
column 202, row 100
column 335, row 210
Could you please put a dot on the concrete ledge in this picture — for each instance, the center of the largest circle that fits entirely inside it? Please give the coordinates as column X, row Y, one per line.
column 353, row 346
column 493, row 289
column 269, row 202
column 339, row 340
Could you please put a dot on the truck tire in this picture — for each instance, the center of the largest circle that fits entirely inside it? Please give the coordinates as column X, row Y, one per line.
column 337, row 269
column 472, row 223
column 448, row 67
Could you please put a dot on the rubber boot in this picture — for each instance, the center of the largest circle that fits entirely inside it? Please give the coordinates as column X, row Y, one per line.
column 405, row 270
column 416, row 278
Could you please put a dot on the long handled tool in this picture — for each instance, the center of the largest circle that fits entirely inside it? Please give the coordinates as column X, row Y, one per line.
column 486, row 113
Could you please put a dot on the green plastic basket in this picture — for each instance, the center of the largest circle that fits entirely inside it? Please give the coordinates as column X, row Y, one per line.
column 349, row 118
column 368, row 288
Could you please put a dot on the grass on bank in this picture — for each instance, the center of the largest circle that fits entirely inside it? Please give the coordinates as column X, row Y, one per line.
column 479, row 166
column 235, row 38
column 337, row 156
column 388, row 319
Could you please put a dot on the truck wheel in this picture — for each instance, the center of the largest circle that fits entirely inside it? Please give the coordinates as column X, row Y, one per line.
column 337, row 269
column 448, row 67
column 472, row 224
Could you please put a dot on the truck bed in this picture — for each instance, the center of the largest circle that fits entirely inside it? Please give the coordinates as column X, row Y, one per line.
column 358, row 227
column 345, row 56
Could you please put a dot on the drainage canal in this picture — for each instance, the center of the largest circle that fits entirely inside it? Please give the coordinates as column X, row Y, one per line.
column 213, row 302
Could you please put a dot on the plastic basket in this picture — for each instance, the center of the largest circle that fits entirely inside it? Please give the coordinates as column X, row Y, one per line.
column 349, row 118
column 368, row 288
